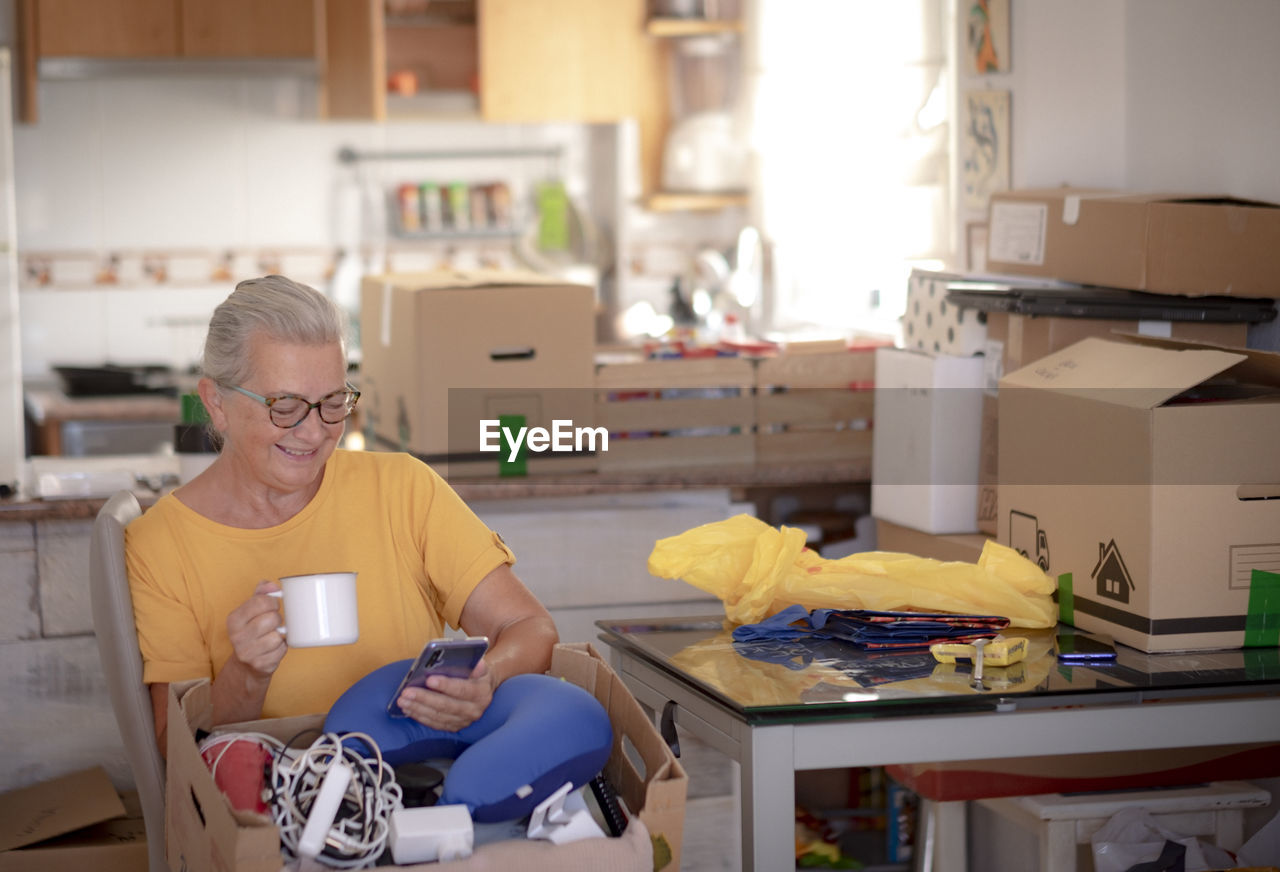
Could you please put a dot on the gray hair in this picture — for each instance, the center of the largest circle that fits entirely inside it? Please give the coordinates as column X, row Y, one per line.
column 276, row 306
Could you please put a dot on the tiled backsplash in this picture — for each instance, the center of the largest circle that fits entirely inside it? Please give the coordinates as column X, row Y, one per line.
column 142, row 200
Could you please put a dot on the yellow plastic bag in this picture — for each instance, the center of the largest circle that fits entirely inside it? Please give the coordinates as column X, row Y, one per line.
column 757, row 570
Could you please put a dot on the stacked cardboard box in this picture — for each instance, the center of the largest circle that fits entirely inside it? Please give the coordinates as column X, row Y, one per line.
column 1163, row 243
column 924, row 459
column 444, row 352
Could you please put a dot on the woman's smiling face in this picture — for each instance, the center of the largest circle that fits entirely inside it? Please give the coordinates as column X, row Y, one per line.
column 293, row 459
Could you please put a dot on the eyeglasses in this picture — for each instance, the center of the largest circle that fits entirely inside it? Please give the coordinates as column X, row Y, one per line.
column 288, row 411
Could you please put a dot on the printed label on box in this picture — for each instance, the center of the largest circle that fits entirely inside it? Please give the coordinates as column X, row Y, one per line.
column 1017, row 232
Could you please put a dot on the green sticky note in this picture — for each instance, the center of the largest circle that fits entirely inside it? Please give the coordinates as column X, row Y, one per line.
column 553, row 212
column 1066, row 599
column 1262, row 622
column 508, row 425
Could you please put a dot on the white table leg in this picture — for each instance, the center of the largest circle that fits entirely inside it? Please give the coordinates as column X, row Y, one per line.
column 951, row 836
column 768, row 799
column 1058, row 846
column 1229, row 829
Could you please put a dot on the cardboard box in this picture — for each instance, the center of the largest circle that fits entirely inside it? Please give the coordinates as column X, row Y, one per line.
column 924, row 460
column 1014, row 340
column 676, row 413
column 815, row 403
column 443, row 351
column 962, row 547
column 1165, row 243
column 205, row 833
column 70, row 824
column 1154, row 508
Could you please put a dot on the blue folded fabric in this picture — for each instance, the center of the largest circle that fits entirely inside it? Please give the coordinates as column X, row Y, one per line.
column 870, row 629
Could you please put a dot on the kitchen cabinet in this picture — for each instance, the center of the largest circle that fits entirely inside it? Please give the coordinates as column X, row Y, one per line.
column 524, row 61
column 177, row 28
column 165, row 29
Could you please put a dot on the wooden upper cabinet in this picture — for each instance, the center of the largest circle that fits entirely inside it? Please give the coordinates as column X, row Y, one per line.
column 180, row 28
column 565, row 60
column 253, row 28
column 106, row 28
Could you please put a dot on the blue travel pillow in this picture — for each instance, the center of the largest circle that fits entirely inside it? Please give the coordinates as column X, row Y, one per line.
column 536, row 734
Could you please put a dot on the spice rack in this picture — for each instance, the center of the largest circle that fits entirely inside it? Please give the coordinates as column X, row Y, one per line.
column 425, row 209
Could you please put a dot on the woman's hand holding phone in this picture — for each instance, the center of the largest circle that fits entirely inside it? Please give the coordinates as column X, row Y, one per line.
column 448, row 686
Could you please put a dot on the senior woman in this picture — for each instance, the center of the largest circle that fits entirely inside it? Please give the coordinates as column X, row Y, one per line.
column 282, row 499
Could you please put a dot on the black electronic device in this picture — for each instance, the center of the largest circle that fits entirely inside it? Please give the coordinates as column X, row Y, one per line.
column 1087, row 301
column 455, row 658
column 1080, row 649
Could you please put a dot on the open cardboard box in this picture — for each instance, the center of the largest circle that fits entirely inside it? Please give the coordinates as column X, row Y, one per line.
column 1015, row 340
column 206, row 833
column 1143, row 474
column 70, row 824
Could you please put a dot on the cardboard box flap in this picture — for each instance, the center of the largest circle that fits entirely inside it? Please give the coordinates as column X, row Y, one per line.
column 1257, row 367
column 53, row 808
column 1123, row 373
column 477, row 278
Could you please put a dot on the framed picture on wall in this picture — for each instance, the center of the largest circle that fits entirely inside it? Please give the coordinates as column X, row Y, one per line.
column 984, row 146
column 987, row 30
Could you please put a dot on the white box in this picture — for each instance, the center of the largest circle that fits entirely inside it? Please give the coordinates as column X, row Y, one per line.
column 934, row 325
column 928, row 423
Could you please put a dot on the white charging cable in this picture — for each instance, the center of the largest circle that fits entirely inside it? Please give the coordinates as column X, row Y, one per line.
column 332, row 804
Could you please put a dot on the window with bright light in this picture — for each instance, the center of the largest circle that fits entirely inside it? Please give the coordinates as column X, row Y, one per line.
column 849, row 120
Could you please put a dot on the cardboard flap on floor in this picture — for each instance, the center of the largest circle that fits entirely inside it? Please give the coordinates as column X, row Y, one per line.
column 56, row 807
column 1123, row 373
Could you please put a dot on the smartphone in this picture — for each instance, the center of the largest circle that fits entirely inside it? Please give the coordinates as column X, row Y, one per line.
column 453, row 657
column 1076, row 649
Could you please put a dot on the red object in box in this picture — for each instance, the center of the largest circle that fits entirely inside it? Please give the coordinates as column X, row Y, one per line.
column 239, row 768
column 1110, row 770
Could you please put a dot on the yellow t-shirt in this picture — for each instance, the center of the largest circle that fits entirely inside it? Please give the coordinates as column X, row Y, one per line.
column 419, row 551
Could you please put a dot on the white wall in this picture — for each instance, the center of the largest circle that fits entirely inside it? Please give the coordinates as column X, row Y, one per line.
column 1172, row 95
column 1202, row 96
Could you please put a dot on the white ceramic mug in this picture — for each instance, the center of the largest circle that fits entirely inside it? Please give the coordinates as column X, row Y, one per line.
column 319, row 609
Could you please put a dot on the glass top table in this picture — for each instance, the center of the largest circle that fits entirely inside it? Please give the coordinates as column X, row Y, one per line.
column 778, row 708
column 816, row 678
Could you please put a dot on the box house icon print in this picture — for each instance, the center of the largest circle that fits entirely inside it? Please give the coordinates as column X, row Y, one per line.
column 1111, row 575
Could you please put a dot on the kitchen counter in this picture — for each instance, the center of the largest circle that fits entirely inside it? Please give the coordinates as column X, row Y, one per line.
column 777, row 476
column 50, row 408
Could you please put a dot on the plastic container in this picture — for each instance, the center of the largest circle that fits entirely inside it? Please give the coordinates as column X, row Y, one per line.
column 705, row 71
